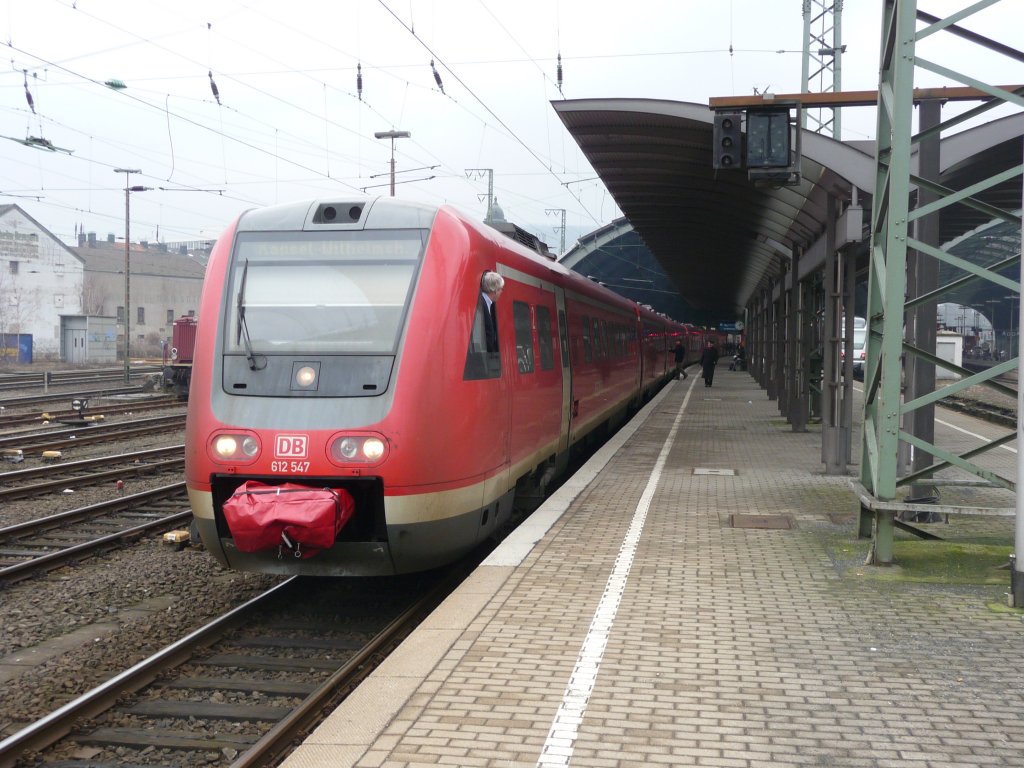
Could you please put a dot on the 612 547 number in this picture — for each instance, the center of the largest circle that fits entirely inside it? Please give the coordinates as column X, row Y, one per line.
column 289, row 466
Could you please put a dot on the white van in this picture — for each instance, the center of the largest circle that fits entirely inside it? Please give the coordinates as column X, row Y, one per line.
column 860, row 343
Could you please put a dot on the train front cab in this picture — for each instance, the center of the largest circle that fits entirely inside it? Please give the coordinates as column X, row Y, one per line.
column 453, row 459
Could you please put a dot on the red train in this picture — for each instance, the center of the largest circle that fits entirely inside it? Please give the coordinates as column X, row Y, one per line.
column 177, row 371
column 345, row 415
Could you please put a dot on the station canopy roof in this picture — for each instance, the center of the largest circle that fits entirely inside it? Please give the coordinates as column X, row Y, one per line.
column 716, row 234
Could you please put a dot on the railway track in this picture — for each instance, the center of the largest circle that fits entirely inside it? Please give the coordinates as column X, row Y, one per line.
column 14, row 381
column 37, row 481
column 91, row 432
column 31, row 401
column 1006, row 417
column 241, row 689
column 36, row 546
column 68, row 416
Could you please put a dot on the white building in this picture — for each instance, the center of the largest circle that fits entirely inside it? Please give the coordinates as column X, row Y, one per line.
column 70, row 301
column 41, row 281
column 164, row 284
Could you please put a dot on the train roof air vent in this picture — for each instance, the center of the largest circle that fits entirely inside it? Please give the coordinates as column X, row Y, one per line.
column 338, row 213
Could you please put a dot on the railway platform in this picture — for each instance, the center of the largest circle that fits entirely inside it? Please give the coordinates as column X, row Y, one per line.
column 696, row 596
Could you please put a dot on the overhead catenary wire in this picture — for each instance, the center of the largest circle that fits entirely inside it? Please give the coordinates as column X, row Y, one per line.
column 329, row 85
column 480, row 101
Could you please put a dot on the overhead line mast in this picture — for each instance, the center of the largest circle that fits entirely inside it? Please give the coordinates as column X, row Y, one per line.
column 822, row 61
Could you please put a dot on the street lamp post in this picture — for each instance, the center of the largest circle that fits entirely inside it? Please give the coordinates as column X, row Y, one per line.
column 127, row 251
column 392, row 135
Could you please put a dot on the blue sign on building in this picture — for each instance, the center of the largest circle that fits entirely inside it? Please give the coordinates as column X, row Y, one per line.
column 16, row 346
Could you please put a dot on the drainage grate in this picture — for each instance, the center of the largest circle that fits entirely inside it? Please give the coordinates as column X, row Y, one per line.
column 761, row 522
column 710, row 471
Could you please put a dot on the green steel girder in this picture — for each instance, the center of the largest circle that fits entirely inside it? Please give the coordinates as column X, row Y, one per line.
column 959, row 283
column 891, row 235
column 965, row 196
column 931, row 470
column 966, row 266
column 958, row 460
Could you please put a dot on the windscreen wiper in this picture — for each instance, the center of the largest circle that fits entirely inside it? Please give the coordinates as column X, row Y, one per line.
column 243, row 329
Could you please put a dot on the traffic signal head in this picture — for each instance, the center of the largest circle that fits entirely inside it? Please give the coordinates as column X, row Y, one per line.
column 727, row 141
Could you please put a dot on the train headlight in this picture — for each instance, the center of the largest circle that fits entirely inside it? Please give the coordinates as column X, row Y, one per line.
column 235, row 447
column 305, row 376
column 347, row 450
column 225, row 446
column 373, row 449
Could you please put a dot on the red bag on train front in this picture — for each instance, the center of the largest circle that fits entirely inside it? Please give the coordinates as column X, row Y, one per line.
column 298, row 518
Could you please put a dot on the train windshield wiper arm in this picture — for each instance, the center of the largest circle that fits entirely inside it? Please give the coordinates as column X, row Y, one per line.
column 243, row 329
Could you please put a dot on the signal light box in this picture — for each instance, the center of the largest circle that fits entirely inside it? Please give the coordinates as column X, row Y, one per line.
column 727, row 140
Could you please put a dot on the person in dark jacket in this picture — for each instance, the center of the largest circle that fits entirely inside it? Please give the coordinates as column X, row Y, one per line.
column 680, row 354
column 708, row 361
column 491, row 286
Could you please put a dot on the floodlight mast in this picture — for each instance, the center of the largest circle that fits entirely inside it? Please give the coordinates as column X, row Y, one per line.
column 392, row 135
column 128, row 189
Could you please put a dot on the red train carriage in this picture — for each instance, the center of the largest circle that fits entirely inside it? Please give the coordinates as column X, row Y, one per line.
column 341, row 373
column 177, row 371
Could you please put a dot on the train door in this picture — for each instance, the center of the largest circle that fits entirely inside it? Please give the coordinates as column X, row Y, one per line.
column 563, row 344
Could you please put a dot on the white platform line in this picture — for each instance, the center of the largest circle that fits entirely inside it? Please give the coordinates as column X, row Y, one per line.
column 561, row 740
column 973, row 434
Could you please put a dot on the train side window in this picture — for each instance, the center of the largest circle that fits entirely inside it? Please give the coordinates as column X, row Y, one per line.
column 544, row 339
column 481, row 362
column 588, row 355
column 563, row 336
column 524, row 336
column 598, row 341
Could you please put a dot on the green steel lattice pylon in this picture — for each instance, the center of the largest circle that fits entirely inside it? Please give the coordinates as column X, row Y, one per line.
column 892, row 233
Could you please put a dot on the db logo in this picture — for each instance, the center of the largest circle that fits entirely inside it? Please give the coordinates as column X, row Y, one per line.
column 291, row 446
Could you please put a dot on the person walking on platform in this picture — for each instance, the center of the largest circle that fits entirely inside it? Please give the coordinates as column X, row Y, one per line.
column 708, row 361
column 680, row 354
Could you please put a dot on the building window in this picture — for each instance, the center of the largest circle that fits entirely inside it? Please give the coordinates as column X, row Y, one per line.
column 120, row 315
column 14, row 267
column 170, row 317
column 142, row 315
column 191, row 313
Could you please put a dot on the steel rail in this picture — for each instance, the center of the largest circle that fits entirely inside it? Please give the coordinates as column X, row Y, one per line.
column 73, row 466
column 307, row 713
column 92, row 433
column 69, row 481
column 51, row 560
column 60, row 722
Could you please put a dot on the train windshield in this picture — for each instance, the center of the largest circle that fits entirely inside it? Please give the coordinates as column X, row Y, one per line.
column 324, row 292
